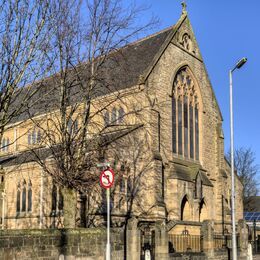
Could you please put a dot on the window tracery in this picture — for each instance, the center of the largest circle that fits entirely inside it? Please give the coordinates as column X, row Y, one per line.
column 34, row 137
column 116, row 117
column 187, row 43
column 185, row 116
column 24, row 197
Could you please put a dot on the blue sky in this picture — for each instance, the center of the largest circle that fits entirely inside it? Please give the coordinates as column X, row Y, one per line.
column 226, row 31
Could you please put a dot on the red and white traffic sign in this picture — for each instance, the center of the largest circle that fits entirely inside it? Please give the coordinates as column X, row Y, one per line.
column 107, row 178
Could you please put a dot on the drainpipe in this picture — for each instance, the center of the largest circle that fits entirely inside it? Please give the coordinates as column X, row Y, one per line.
column 159, row 146
column 41, row 201
column 3, row 209
column 159, row 128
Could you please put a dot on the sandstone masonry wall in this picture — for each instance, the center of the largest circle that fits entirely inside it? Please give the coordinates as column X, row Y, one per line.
column 60, row 244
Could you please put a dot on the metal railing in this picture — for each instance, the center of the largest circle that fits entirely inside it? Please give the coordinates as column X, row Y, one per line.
column 224, row 241
column 185, row 243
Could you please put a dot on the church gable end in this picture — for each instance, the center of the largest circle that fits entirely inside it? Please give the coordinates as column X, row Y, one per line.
column 185, row 39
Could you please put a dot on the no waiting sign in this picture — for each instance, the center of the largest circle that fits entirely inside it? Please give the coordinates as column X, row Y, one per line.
column 107, row 178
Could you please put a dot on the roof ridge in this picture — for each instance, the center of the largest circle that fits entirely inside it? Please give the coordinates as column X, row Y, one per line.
column 148, row 36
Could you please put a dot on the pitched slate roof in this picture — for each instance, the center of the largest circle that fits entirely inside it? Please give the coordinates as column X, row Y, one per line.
column 112, row 134
column 121, row 69
column 189, row 173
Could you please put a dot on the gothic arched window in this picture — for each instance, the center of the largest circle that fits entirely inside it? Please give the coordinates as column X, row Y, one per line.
column 106, row 118
column 60, row 203
column 34, row 137
column 185, row 209
column 5, row 144
column 57, row 199
column 29, row 195
column 114, row 116
column 121, row 114
column 203, row 212
column 54, row 198
column 122, row 185
column 185, row 116
column 18, row 201
column 24, row 197
column 73, row 126
column 29, row 138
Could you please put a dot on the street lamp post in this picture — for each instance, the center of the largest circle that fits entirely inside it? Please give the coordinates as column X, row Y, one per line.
column 234, row 242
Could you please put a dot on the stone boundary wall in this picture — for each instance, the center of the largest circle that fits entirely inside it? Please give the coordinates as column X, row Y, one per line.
column 188, row 256
column 70, row 244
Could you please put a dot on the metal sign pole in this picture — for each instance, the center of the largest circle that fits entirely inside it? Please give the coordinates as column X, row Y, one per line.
column 108, row 226
column 106, row 181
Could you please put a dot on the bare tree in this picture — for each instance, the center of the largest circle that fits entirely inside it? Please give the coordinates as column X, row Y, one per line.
column 23, row 37
column 247, row 170
column 86, row 59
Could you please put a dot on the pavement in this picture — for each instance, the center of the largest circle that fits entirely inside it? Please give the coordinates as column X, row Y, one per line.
column 256, row 257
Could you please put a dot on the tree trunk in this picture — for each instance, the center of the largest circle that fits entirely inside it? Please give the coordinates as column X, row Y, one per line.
column 70, row 207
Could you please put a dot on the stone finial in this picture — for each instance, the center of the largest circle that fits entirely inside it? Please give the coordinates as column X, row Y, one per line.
column 184, row 7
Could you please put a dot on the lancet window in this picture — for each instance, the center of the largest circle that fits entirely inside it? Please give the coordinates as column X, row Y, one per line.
column 185, row 116
column 24, row 197
column 5, row 144
column 34, row 137
column 115, row 117
column 57, row 200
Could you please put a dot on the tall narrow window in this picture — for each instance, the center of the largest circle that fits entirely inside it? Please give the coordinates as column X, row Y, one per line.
column 180, row 127
column 72, row 126
column 39, row 136
column 191, row 132
column 122, row 185
column 129, row 187
column 197, row 132
column 185, row 116
column 29, row 197
column 76, row 126
column 121, row 114
column 114, row 116
column 54, row 198
column 24, row 197
column 60, row 204
column 185, row 209
column 5, row 145
column 18, row 201
column 106, row 118
column 186, row 131
column 34, row 137
column 29, row 138
column 174, row 139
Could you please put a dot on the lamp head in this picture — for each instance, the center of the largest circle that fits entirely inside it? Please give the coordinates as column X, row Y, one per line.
column 241, row 63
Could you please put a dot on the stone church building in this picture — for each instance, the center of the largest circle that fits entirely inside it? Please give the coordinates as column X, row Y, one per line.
column 181, row 177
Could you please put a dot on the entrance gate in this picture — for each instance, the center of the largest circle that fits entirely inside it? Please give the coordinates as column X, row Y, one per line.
column 147, row 242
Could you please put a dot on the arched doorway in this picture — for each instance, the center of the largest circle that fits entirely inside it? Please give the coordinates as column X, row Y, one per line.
column 185, row 209
column 203, row 213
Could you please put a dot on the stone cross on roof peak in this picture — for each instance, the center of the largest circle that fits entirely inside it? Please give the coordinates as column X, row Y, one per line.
column 184, row 7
